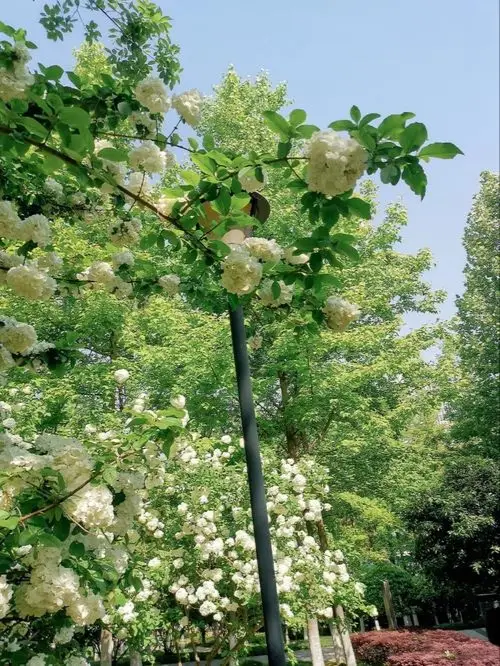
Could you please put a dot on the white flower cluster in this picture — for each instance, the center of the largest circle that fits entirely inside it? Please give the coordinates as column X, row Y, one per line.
column 170, row 284
column 141, row 119
column 152, row 94
column 35, row 228
column 14, row 82
column 242, row 273
column 125, row 232
column 6, row 593
column 339, row 313
column 188, row 105
column 92, row 506
column 335, row 162
column 53, row 188
column 101, row 275
column 148, row 157
column 123, row 258
column 31, row 283
column 267, row 297
column 53, row 587
column 16, row 337
column 264, row 249
column 64, row 635
column 121, row 376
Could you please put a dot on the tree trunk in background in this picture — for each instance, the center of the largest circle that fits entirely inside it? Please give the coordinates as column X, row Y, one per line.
column 377, row 624
column 135, row 658
column 233, row 642
column 306, row 635
column 315, row 643
column 362, row 627
column 407, row 620
column 389, row 606
column 106, row 648
column 414, row 617
column 338, row 648
column 349, row 656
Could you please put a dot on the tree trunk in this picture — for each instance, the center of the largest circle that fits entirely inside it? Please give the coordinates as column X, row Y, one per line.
column 306, row 635
column 407, row 620
column 106, row 648
column 414, row 617
column 362, row 627
column 314, row 642
column 135, row 658
column 389, row 606
column 233, row 642
column 377, row 624
column 349, row 656
column 337, row 645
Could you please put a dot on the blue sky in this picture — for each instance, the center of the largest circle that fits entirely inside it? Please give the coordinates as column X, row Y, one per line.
column 437, row 58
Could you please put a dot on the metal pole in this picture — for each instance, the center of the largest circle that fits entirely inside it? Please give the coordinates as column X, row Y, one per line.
column 265, row 561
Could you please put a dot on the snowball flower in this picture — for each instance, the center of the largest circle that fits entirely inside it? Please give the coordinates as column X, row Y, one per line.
column 147, row 157
column 154, row 563
column 14, row 82
column 121, row 376
column 127, row 612
column 255, row 342
column 295, row 259
column 188, row 106
column 75, row 660
column 92, row 506
column 179, row 402
column 10, row 222
column 30, row 283
column 267, row 297
column 242, row 273
column 170, row 283
column 17, row 337
column 264, row 249
column 335, row 162
column 37, row 660
column 125, row 232
column 207, row 608
column 50, row 262
column 152, row 94
column 54, row 188
column 64, row 635
column 226, row 439
column 249, row 182
column 6, row 592
column 124, row 258
column 339, row 313
column 35, row 228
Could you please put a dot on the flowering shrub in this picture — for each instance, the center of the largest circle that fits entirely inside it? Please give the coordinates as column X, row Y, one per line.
column 423, row 648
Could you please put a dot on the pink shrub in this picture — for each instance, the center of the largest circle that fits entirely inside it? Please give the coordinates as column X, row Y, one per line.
column 423, row 648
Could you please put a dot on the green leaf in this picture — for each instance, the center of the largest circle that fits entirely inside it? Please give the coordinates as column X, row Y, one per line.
column 347, row 250
column 53, row 73
column 340, row 125
column 220, row 158
column 172, row 238
column 364, row 138
column 208, row 142
column 390, row 174
column 277, row 123
column 395, row 121
column 444, row 151
column 75, row 117
column 297, row 185
column 275, row 290
column 359, row 208
column 414, row 176
column 9, row 523
column 413, row 137
column 204, row 163
column 124, row 109
column 284, row 148
column 190, row 177
column 222, row 204
column 33, row 127
column 297, row 117
column 220, row 247
column 193, row 143
column 77, row 549
column 355, row 114
column 306, row 244
column 75, row 79
column 368, row 118
column 306, row 131
column 113, row 154
column 316, row 262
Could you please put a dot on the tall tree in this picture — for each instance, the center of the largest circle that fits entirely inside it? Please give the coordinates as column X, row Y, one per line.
column 475, row 412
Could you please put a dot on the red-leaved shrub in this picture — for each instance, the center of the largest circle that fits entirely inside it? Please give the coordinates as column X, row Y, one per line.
column 423, row 648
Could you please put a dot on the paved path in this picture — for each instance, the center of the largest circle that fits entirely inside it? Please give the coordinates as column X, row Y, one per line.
column 476, row 633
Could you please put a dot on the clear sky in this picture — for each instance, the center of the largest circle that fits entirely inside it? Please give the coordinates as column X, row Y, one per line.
column 437, row 58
